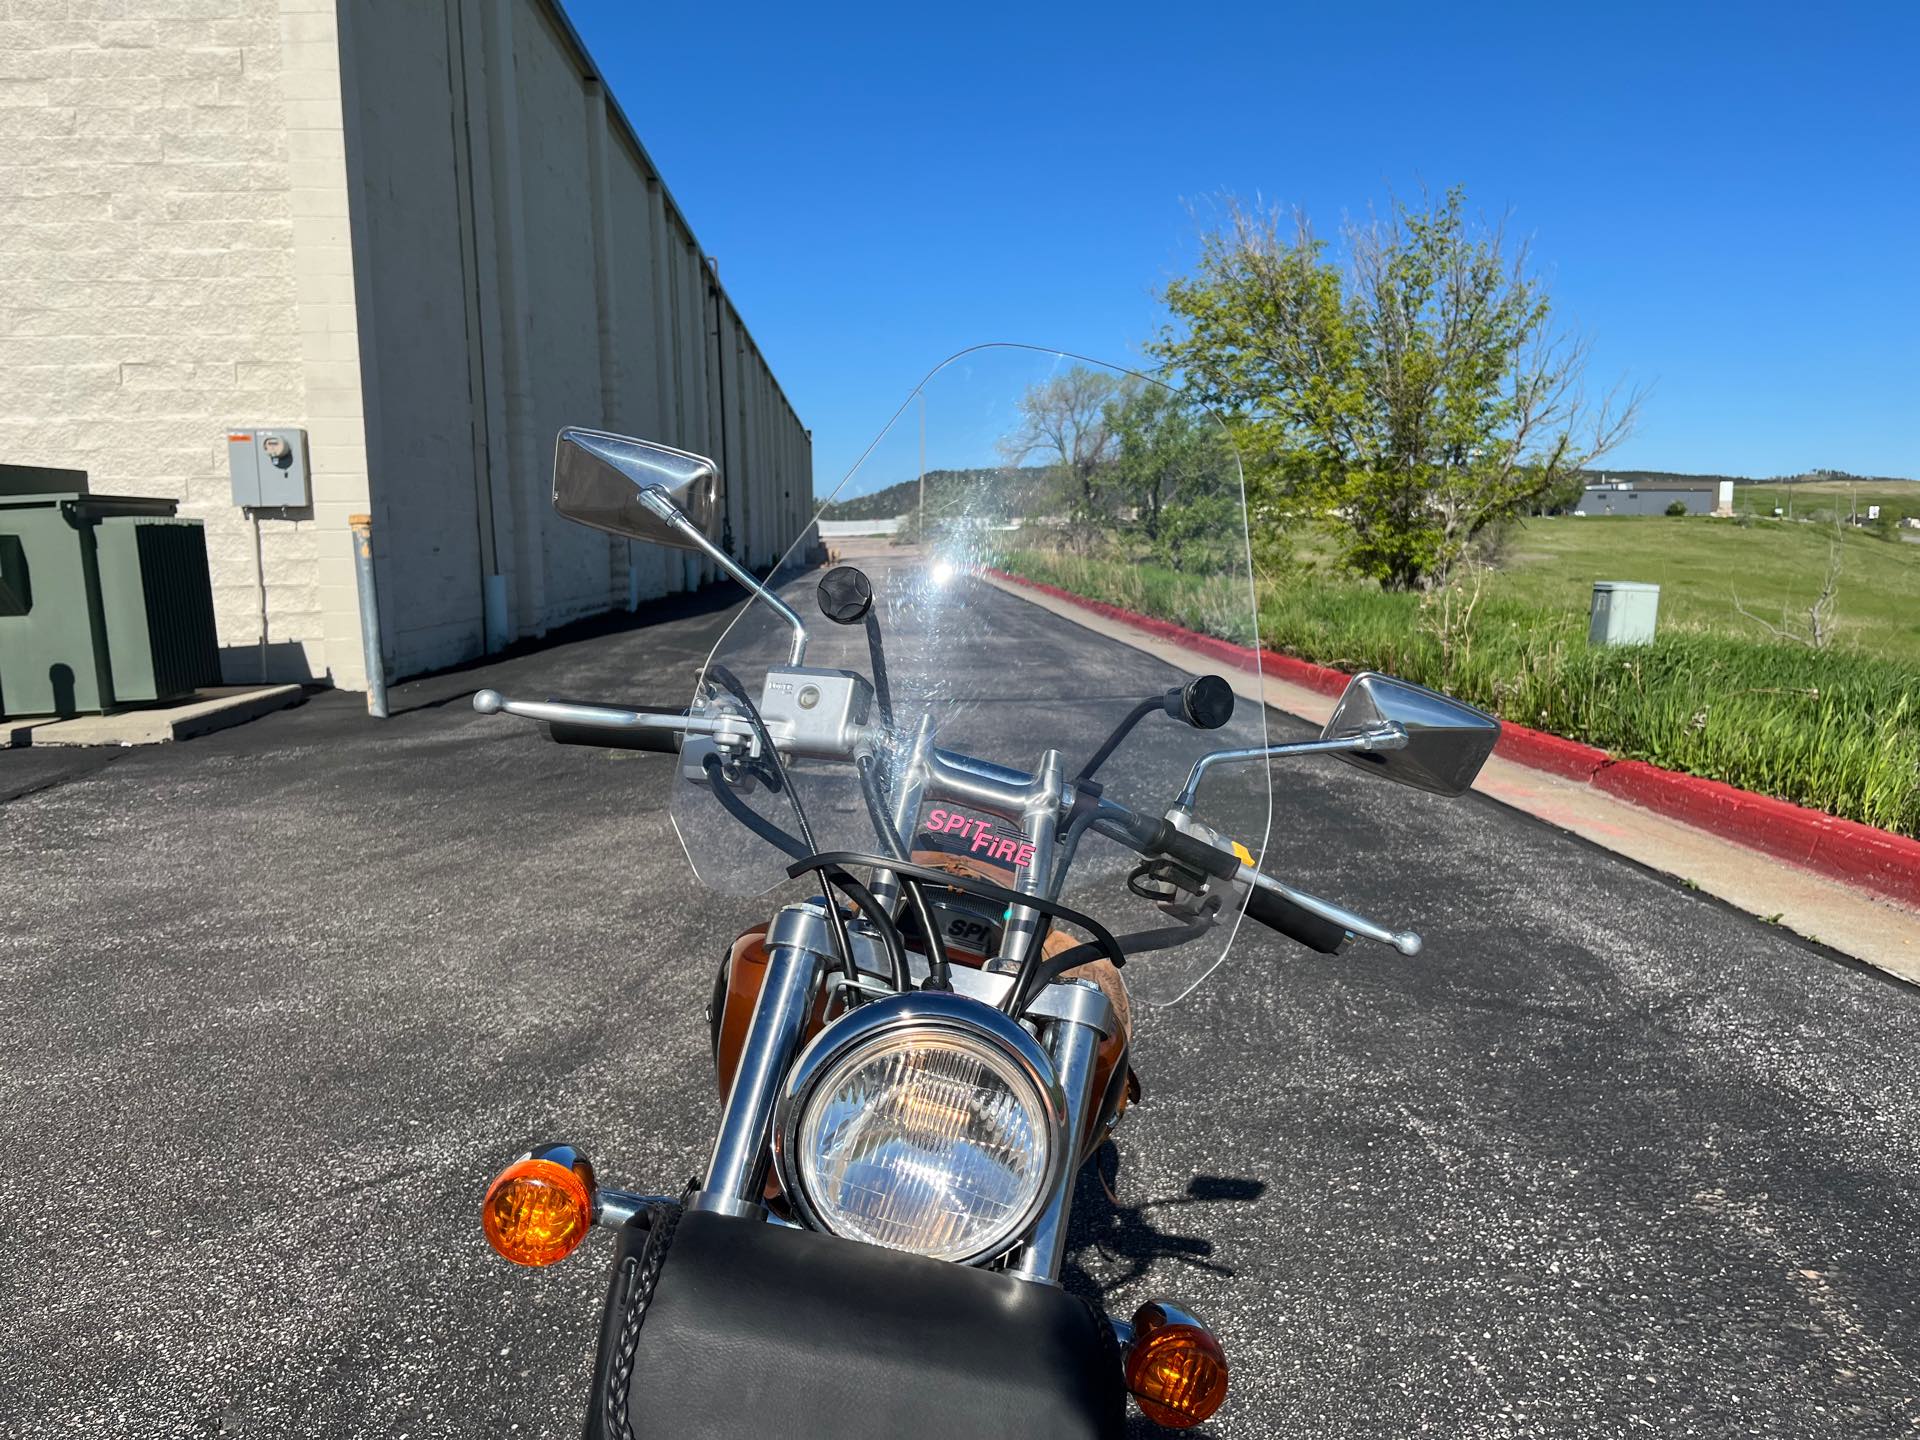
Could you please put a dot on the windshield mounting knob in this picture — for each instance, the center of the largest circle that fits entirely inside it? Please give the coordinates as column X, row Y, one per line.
column 846, row 595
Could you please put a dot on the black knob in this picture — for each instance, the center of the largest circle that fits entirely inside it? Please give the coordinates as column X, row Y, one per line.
column 1206, row 703
column 846, row 595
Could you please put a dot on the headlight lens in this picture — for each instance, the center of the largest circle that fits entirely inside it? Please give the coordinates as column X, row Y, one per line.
column 925, row 1140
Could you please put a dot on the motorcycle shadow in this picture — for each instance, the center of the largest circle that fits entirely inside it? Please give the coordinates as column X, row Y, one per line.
column 1129, row 1240
column 1124, row 1242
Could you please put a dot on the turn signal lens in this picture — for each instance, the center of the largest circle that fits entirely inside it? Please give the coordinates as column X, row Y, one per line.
column 1175, row 1368
column 536, row 1212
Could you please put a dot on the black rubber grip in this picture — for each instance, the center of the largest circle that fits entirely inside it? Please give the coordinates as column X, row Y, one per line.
column 1277, row 912
column 1196, row 854
column 609, row 737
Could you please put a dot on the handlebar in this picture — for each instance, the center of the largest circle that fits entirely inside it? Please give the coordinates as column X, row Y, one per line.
column 1318, row 924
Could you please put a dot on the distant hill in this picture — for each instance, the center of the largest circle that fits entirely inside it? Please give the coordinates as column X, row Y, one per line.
column 986, row 493
column 1653, row 479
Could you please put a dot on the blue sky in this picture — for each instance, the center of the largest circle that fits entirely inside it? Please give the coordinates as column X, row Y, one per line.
column 1725, row 198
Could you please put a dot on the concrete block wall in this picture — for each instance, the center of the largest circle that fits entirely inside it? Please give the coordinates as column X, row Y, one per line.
column 524, row 268
column 172, row 223
column 421, row 231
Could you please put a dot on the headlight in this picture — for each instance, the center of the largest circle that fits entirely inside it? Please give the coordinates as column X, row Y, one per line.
column 923, row 1122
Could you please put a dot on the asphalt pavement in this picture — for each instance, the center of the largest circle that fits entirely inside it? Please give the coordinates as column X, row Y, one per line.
column 1608, row 1158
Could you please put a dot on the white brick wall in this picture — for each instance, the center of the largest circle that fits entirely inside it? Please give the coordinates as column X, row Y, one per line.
column 342, row 216
column 175, row 259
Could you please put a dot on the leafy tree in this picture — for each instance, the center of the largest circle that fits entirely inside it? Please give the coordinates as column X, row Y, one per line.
column 1417, row 393
column 1678, row 507
column 1065, row 424
column 1173, row 472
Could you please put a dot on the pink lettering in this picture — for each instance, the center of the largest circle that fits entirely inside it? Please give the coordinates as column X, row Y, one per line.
column 1003, row 849
column 936, row 822
column 1023, row 855
column 982, row 840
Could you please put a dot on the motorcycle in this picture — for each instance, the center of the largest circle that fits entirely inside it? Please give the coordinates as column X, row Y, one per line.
column 917, row 1052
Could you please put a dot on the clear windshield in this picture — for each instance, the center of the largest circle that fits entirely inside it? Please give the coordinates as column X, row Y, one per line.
column 1006, row 466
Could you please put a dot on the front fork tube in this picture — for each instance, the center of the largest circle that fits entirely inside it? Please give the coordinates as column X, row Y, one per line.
column 797, row 945
column 1075, row 1048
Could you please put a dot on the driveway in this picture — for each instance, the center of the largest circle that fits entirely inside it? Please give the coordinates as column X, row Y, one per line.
column 1606, row 1159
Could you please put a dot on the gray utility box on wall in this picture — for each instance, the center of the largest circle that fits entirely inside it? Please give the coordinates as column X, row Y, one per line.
column 1625, row 612
column 268, row 467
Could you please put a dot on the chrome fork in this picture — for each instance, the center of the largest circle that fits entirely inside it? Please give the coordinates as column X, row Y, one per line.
column 798, row 945
column 1075, row 1049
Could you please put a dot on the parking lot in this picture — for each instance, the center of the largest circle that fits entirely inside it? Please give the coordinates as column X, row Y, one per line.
column 1607, row 1159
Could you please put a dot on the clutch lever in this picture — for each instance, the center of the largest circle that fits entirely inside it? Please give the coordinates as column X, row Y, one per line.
column 605, row 717
column 1405, row 941
column 1164, row 837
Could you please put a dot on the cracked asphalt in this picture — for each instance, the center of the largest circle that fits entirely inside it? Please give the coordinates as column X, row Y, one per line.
column 1608, row 1159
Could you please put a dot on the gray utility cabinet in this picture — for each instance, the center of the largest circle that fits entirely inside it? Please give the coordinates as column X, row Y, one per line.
column 1624, row 612
column 104, row 599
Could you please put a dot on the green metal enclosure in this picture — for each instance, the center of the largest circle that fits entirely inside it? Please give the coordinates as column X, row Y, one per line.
column 104, row 603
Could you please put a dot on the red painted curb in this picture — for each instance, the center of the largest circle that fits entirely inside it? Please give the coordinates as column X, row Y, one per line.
column 1846, row 850
column 1541, row 750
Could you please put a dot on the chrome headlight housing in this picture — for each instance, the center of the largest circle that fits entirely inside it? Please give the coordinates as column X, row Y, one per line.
column 926, row 1122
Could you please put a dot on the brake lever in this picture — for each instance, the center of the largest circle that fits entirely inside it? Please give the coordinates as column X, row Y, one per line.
column 1407, row 942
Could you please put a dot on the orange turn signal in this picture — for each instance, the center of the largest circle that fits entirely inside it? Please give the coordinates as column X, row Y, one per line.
column 537, row 1210
column 1175, row 1369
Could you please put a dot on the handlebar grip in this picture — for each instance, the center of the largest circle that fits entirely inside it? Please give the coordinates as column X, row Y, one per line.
column 1196, row 854
column 660, row 742
column 1277, row 912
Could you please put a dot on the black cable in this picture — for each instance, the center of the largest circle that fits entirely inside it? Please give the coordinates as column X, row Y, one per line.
column 939, row 969
column 1103, row 939
column 883, row 922
column 1139, row 943
column 772, row 833
column 771, row 755
column 1120, row 733
column 747, row 815
column 877, row 658
column 1070, row 842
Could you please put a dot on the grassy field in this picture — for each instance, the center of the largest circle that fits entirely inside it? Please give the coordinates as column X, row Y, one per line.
column 1700, row 565
column 1837, row 730
column 1827, row 499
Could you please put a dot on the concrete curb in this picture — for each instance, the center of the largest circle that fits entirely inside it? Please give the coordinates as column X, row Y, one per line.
column 208, row 710
column 1845, row 850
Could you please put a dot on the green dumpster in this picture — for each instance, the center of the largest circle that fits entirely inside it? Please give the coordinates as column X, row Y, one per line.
column 104, row 599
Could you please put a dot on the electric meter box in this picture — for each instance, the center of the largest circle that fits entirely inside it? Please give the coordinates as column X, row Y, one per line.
column 268, row 466
column 1624, row 613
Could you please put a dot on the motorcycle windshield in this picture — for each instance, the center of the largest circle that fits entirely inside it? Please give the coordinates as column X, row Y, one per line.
column 1011, row 478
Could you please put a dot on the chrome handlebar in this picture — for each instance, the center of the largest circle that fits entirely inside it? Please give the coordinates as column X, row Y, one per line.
column 1036, row 801
column 607, row 717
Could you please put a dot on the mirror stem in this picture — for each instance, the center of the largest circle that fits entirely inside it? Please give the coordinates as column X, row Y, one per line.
column 1388, row 736
column 661, row 506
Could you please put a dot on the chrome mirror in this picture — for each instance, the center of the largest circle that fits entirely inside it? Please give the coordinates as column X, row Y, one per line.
column 1444, row 745
column 654, row 493
column 1446, row 742
column 635, row 488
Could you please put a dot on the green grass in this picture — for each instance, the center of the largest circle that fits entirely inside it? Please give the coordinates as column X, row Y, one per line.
column 1836, row 730
column 1829, row 499
column 1701, row 564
